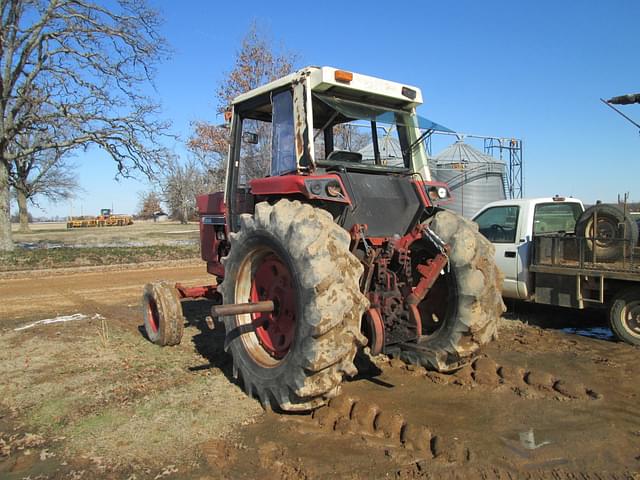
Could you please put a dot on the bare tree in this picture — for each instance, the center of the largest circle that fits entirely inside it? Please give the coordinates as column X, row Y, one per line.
column 180, row 183
column 257, row 62
column 74, row 72
column 45, row 174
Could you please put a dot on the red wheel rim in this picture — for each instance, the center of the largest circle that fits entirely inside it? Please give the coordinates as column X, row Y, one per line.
column 152, row 314
column 275, row 330
column 374, row 330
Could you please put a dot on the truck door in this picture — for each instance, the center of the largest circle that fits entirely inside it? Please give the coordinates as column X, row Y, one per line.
column 500, row 225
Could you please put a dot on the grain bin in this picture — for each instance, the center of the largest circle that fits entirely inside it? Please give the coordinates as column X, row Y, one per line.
column 474, row 178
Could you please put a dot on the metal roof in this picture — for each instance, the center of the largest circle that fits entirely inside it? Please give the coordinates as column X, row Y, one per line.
column 461, row 152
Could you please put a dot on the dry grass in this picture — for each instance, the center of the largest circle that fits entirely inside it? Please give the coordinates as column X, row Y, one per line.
column 53, row 246
column 131, row 405
column 140, row 233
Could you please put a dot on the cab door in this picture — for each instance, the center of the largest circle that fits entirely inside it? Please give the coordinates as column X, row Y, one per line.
column 499, row 225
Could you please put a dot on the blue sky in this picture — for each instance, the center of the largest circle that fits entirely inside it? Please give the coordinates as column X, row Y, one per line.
column 532, row 70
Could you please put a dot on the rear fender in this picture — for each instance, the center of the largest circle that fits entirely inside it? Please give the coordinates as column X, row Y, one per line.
column 314, row 187
column 213, row 230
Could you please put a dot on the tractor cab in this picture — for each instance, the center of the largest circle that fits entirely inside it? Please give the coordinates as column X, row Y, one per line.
column 350, row 142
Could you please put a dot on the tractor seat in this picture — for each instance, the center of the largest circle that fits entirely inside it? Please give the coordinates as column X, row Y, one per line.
column 345, row 156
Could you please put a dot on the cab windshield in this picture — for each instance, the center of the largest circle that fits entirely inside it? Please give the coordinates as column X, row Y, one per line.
column 357, row 135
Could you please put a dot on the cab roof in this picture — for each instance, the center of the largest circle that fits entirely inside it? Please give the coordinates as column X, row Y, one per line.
column 327, row 79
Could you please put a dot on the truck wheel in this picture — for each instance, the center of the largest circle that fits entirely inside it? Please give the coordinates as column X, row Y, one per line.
column 461, row 311
column 624, row 316
column 609, row 243
column 162, row 310
column 294, row 254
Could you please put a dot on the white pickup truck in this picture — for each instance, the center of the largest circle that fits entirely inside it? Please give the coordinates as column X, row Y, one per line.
column 550, row 253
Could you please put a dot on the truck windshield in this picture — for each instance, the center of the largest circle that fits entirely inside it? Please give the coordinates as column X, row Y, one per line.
column 555, row 217
column 358, row 135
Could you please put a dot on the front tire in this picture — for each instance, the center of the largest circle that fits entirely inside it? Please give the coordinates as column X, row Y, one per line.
column 624, row 316
column 294, row 254
column 162, row 310
column 462, row 310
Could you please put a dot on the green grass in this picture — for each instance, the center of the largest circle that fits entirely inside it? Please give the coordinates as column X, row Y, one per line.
column 25, row 259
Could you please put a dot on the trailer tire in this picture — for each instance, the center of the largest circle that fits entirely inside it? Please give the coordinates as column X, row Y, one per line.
column 624, row 315
column 469, row 319
column 609, row 248
column 162, row 311
column 293, row 359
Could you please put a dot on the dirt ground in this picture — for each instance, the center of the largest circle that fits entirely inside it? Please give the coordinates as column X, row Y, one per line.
column 92, row 398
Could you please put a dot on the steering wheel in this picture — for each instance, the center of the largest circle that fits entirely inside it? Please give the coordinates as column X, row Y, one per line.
column 495, row 226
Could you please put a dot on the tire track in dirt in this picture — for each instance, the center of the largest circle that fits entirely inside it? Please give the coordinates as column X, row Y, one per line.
column 486, row 373
column 350, row 415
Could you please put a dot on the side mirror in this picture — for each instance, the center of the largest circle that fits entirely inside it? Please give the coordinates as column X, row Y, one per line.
column 250, row 137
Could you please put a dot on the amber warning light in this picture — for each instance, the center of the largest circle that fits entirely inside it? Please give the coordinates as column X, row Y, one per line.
column 343, row 76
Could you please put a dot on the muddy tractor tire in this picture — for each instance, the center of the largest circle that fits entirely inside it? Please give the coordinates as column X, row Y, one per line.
column 466, row 301
column 162, row 310
column 610, row 237
column 624, row 316
column 294, row 358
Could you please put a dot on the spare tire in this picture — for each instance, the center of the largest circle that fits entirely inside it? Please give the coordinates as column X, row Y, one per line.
column 614, row 229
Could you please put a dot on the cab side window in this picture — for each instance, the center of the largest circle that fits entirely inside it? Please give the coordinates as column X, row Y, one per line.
column 283, row 154
column 499, row 224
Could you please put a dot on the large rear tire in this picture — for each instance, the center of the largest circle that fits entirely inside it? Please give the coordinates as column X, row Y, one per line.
column 461, row 312
column 293, row 359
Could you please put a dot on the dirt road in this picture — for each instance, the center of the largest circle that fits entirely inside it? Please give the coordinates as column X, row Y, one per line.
column 67, row 290
column 93, row 399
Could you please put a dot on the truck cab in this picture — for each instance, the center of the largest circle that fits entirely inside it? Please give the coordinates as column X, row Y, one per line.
column 511, row 226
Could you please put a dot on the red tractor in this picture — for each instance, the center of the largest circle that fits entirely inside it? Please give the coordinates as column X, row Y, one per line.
column 329, row 237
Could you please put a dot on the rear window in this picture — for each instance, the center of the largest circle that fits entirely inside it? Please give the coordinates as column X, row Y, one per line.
column 555, row 217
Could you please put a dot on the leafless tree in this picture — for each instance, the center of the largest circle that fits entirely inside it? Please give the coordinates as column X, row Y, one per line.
column 181, row 182
column 74, row 72
column 45, row 174
column 257, row 62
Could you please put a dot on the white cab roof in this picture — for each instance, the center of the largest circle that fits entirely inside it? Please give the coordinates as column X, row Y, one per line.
column 323, row 78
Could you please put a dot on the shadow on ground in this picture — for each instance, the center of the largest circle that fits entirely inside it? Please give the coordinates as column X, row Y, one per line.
column 591, row 323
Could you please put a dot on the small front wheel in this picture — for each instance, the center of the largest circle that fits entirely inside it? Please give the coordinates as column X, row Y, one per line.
column 162, row 310
column 624, row 316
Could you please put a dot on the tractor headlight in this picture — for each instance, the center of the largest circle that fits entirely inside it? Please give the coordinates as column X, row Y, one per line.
column 333, row 189
column 437, row 193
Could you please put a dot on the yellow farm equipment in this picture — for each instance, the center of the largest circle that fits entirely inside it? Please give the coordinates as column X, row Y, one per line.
column 105, row 219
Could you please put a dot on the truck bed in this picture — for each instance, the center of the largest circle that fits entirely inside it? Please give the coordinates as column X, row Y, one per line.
column 571, row 255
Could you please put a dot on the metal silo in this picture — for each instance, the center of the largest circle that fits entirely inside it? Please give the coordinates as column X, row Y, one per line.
column 474, row 178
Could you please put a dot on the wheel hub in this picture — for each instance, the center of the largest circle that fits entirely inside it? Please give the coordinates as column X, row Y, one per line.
column 152, row 310
column 632, row 317
column 275, row 330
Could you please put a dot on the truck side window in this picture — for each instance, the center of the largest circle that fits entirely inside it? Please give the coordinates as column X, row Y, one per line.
column 555, row 217
column 499, row 224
